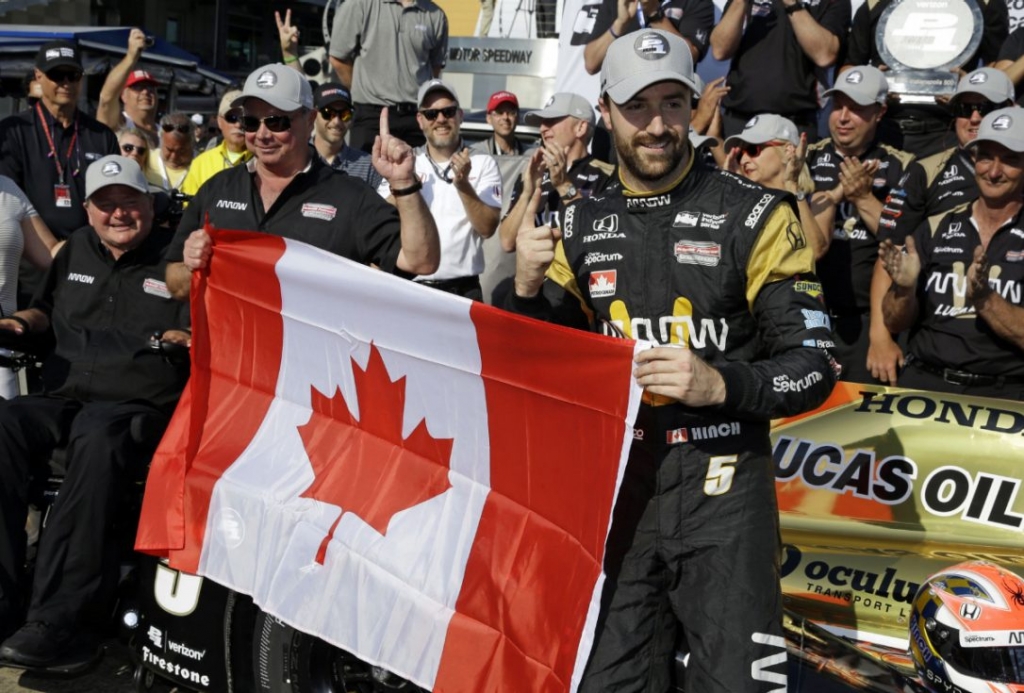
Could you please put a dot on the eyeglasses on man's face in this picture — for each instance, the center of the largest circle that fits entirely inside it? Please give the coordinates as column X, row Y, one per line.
column 432, row 113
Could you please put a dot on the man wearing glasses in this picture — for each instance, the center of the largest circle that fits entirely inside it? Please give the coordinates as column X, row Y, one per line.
column 230, row 152
column 333, row 114
column 168, row 166
column 287, row 191
column 132, row 87
column 462, row 189
column 47, row 148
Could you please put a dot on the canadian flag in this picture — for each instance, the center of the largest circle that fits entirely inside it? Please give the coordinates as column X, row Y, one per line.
column 421, row 480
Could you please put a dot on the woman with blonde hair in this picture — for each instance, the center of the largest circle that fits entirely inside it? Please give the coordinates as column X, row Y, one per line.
column 135, row 144
column 771, row 151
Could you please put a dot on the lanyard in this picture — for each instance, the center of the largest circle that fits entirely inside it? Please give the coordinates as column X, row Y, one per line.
column 53, row 148
column 167, row 176
column 443, row 175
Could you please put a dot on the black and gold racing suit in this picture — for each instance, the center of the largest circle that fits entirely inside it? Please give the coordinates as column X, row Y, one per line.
column 718, row 265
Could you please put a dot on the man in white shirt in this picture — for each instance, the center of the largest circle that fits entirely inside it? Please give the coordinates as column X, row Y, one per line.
column 462, row 190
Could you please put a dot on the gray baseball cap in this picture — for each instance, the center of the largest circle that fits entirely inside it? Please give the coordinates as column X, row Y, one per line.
column 989, row 82
column 638, row 60
column 114, row 169
column 766, row 127
column 561, row 105
column 1004, row 126
column 429, row 87
column 282, row 87
column 864, row 84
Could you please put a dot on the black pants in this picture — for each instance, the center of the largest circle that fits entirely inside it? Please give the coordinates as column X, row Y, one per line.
column 73, row 579
column 366, row 126
column 694, row 546
column 913, row 376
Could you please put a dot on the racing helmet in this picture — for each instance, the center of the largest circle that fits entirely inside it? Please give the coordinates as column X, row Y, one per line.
column 967, row 630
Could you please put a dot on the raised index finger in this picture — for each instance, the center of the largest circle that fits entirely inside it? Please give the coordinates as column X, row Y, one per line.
column 384, row 131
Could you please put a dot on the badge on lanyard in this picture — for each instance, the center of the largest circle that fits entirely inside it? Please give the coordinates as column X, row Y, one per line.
column 62, row 195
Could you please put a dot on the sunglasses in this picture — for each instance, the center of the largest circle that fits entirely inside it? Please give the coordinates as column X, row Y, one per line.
column 274, row 123
column 169, row 127
column 344, row 113
column 755, row 150
column 966, row 110
column 61, row 76
column 143, row 86
column 129, row 148
column 432, row 113
column 232, row 117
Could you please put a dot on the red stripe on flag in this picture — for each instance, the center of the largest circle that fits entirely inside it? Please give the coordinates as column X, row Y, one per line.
column 540, row 543
column 235, row 378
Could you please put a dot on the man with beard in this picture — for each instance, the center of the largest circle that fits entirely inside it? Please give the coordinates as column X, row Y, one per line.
column 133, row 88
column 333, row 114
column 956, row 285
column 715, row 271
column 230, row 152
column 463, row 191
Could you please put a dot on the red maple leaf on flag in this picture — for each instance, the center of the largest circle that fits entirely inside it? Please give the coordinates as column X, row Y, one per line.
column 365, row 466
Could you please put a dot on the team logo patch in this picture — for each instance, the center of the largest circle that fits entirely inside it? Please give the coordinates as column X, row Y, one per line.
column 751, row 123
column 651, row 46
column 608, row 224
column 266, row 80
column 978, row 78
column 602, row 283
column 684, row 219
column 155, row 287
column 314, row 210
column 1003, row 122
column 704, row 253
column 111, row 169
column 854, row 77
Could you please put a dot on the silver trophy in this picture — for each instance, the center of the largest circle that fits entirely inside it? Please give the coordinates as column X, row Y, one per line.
column 923, row 41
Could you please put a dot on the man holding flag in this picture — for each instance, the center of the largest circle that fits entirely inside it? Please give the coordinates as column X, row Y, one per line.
column 717, row 273
column 286, row 190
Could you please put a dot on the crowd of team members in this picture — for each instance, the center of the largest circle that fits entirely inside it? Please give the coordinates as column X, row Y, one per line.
column 909, row 215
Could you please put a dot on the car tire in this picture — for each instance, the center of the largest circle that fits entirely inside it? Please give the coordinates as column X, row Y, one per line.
column 286, row 660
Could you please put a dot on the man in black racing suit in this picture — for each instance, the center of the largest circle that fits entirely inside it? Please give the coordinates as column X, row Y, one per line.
column 716, row 272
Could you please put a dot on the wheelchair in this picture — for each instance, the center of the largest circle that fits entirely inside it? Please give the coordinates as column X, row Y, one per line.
column 23, row 354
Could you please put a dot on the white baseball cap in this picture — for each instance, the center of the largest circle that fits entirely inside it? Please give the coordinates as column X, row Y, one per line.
column 767, row 127
column 864, row 84
column 1004, row 126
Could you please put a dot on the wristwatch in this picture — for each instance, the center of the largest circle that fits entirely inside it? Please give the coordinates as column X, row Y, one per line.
column 571, row 193
column 796, row 7
column 800, row 196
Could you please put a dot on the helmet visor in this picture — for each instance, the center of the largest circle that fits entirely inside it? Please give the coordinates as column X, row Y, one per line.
column 995, row 664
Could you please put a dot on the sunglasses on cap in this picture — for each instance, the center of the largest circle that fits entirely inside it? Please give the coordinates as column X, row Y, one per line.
column 962, row 109
column 129, row 148
column 60, row 76
column 755, row 150
column 327, row 113
column 170, row 127
column 432, row 113
column 274, row 123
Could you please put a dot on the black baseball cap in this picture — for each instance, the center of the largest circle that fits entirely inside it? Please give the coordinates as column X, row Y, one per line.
column 59, row 53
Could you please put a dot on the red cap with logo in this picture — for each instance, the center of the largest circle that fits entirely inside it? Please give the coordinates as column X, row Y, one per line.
column 140, row 77
column 500, row 97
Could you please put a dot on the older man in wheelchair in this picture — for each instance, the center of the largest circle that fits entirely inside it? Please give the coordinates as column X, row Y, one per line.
column 107, row 395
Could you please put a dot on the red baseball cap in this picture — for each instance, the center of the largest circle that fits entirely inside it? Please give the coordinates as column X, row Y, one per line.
column 500, row 97
column 139, row 77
